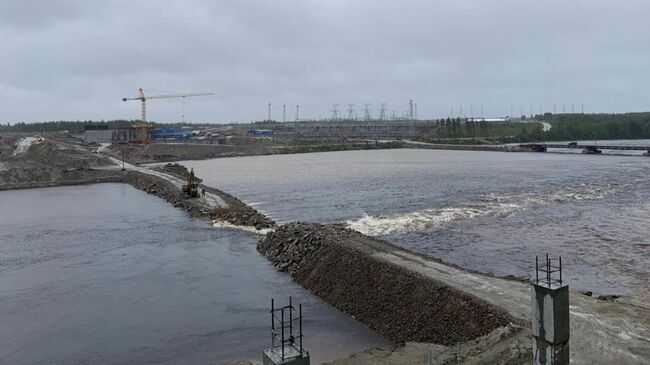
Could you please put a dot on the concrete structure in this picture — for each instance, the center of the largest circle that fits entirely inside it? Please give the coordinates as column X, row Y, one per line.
column 292, row 356
column 284, row 350
column 97, row 133
column 131, row 135
column 550, row 317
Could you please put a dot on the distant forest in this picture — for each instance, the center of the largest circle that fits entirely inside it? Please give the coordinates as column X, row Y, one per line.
column 598, row 126
column 564, row 127
column 76, row 126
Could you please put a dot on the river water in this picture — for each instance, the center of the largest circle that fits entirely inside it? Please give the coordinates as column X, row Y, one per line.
column 488, row 211
column 106, row 274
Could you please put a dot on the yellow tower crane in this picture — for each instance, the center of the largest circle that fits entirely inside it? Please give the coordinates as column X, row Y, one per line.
column 143, row 99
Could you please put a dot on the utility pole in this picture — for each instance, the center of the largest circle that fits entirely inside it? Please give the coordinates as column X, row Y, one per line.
column 573, row 108
column 269, row 113
column 284, row 113
column 481, row 111
column 582, row 108
column 297, row 112
column 410, row 116
column 366, row 112
column 416, row 111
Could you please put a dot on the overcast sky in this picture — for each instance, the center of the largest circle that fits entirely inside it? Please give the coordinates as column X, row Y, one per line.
column 75, row 60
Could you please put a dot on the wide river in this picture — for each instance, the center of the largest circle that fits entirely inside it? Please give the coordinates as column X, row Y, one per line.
column 488, row 211
column 106, row 274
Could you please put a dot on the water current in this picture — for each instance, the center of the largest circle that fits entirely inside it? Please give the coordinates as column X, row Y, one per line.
column 487, row 211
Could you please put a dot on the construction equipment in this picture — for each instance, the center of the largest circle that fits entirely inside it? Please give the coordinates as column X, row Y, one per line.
column 191, row 189
column 143, row 99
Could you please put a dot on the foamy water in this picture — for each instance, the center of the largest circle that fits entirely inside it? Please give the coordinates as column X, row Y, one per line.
column 221, row 224
column 489, row 205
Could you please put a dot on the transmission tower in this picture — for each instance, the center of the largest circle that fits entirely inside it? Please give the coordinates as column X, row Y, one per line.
column 269, row 113
column 382, row 111
column 350, row 111
column 284, row 113
column 335, row 111
column 366, row 110
column 297, row 112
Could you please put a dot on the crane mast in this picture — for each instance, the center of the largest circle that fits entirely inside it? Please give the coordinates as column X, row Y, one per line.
column 143, row 102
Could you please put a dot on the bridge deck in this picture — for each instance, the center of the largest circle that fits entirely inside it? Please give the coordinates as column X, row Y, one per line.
column 600, row 147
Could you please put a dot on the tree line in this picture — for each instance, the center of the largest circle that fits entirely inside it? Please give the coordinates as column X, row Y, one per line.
column 77, row 126
column 598, row 126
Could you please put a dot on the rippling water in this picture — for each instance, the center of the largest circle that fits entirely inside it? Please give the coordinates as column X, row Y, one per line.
column 105, row 274
column 487, row 211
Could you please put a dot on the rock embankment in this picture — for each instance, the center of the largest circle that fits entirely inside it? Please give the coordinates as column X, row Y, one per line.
column 237, row 212
column 339, row 265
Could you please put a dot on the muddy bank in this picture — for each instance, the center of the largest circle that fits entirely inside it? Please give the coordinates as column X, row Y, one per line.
column 169, row 152
column 509, row 345
column 460, row 147
column 337, row 264
column 237, row 212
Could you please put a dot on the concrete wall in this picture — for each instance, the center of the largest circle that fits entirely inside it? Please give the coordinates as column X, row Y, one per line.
column 98, row 136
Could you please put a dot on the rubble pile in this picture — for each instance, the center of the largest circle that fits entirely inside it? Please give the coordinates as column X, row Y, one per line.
column 339, row 266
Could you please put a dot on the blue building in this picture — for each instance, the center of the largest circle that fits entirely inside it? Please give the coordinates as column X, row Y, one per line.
column 260, row 133
column 169, row 134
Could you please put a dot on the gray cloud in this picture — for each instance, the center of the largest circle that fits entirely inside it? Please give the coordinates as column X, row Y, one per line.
column 76, row 59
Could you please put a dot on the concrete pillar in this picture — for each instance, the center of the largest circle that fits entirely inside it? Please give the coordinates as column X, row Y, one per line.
column 550, row 320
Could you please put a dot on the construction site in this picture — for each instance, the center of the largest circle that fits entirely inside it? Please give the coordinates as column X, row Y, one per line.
column 434, row 313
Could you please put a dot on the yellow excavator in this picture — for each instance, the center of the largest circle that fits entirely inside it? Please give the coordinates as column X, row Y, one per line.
column 191, row 189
